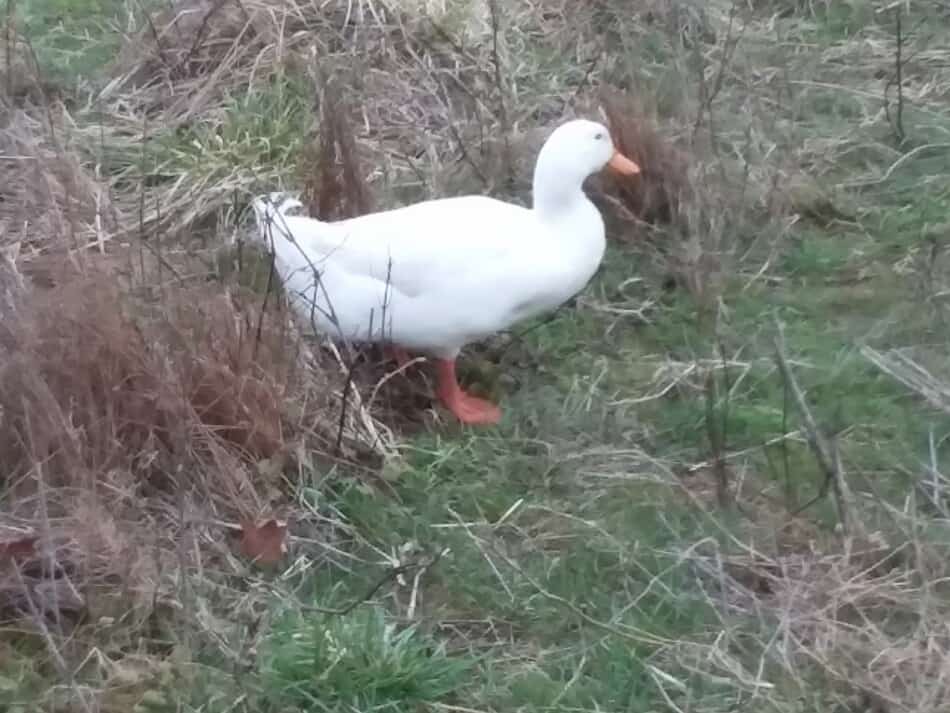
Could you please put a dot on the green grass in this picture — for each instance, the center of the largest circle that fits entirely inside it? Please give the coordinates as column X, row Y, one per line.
column 73, row 39
column 358, row 660
column 581, row 665
column 266, row 126
column 838, row 21
column 22, row 681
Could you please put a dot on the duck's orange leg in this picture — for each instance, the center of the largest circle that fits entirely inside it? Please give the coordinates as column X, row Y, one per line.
column 467, row 408
column 397, row 353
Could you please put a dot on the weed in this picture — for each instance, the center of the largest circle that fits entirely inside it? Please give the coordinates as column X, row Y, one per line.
column 357, row 660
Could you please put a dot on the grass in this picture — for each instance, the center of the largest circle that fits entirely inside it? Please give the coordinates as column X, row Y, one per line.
column 358, row 659
column 264, row 127
column 72, row 40
column 584, row 554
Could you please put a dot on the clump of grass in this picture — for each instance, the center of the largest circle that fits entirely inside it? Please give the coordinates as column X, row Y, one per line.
column 71, row 40
column 334, row 186
column 193, row 41
column 104, row 393
column 49, row 186
column 856, row 627
column 144, row 413
column 656, row 194
column 189, row 179
column 359, row 660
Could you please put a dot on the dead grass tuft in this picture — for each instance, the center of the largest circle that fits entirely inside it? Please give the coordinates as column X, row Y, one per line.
column 95, row 380
column 145, row 411
column 126, row 422
column 859, row 621
column 194, row 40
column 21, row 82
column 45, row 190
column 334, row 185
column 655, row 196
column 866, row 620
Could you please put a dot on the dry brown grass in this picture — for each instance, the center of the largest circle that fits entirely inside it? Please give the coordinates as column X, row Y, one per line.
column 810, row 614
column 145, row 410
column 45, row 190
column 435, row 105
column 333, row 182
column 191, row 60
column 124, row 406
column 656, row 195
column 864, row 625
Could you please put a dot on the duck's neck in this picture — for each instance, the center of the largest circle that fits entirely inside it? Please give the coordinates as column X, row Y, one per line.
column 557, row 188
column 571, row 219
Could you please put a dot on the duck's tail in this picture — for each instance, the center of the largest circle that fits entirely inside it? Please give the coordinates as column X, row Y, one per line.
column 271, row 209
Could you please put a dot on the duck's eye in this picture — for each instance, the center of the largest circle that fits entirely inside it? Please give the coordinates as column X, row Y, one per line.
column 599, row 136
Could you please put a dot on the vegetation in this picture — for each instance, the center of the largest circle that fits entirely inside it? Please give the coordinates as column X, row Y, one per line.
column 718, row 481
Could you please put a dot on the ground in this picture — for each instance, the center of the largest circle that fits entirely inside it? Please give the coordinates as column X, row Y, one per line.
column 718, row 481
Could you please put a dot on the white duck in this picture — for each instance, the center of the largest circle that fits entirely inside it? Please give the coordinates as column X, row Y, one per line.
column 437, row 275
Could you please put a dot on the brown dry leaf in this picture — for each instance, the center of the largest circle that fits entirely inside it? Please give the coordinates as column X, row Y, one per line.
column 266, row 543
column 17, row 548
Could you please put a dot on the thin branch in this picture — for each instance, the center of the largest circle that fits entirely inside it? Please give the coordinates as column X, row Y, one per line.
column 10, row 42
column 825, row 453
column 899, row 76
column 500, row 86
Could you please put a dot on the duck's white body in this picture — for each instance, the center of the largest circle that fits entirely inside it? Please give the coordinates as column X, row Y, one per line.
column 435, row 276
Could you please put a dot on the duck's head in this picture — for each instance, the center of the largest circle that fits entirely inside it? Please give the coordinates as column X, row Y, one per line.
column 574, row 151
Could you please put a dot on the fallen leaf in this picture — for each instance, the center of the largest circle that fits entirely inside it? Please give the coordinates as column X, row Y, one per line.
column 18, row 548
column 265, row 544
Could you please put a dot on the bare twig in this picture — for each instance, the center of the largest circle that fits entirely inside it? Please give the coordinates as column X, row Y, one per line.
column 500, row 87
column 898, row 121
column 707, row 94
column 825, row 453
column 10, row 42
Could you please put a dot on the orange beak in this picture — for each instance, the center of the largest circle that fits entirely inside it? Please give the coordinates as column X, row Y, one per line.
column 621, row 164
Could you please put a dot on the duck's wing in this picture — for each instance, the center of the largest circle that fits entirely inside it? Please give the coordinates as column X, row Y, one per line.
column 422, row 246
